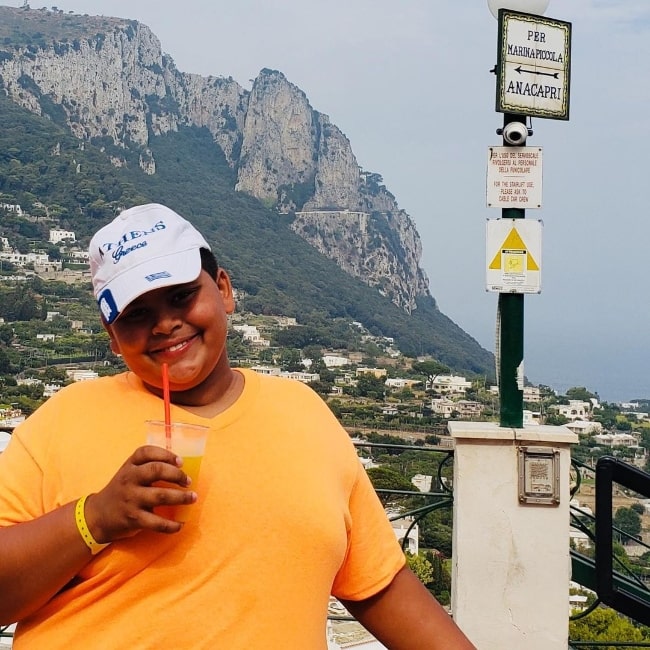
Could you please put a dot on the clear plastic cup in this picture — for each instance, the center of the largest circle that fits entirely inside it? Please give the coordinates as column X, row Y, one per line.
column 188, row 442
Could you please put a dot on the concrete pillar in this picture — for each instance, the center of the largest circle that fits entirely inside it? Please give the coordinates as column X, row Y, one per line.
column 511, row 564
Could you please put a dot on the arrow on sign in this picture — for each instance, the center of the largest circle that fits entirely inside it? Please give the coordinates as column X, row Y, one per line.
column 555, row 75
column 513, row 242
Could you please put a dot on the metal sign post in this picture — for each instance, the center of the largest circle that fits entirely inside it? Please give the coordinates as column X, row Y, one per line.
column 533, row 79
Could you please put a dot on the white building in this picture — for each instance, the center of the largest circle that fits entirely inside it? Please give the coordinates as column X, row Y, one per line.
column 79, row 256
column 12, row 207
column 285, row 321
column 304, row 377
column 377, row 373
column 531, row 394
column 400, row 382
column 575, row 410
column 27, row 381
column 422, row 482
column 584, row 426
column 81, row 375
column 530, row 417
column 401, row 529
column 57, row 236
column 334, row 361
column 251, row 335
column 616, row 440
column 389, row 409
column 50, row 389
column 449, row 384
column 20, row 259
column 267, row 370
column 443, row 406
column 468, row 408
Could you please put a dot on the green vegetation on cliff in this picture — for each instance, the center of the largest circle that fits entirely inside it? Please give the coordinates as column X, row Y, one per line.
column 52, row 174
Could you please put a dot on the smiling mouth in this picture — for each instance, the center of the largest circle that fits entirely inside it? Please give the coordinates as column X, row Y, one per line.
column 178, row 346
column 174, row 348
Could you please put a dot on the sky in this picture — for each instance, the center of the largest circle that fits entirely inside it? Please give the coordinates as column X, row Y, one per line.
column 409, row 84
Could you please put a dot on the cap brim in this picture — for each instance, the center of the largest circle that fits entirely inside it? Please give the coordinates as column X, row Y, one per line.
column 163, row 271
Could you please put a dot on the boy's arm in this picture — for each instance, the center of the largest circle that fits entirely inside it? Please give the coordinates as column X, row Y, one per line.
column 405, row 616
column 40, row 556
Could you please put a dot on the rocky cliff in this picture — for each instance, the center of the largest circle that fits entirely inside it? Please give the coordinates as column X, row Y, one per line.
column 107, row 78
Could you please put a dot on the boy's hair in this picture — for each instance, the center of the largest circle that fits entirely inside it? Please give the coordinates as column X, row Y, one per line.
column 209, row 262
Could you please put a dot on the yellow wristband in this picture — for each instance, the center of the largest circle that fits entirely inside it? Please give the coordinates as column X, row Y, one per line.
column 80, row 518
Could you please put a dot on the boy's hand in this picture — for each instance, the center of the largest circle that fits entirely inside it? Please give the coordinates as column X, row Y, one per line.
column 125, row 506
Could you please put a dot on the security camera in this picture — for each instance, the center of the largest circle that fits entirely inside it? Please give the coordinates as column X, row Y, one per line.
column 515, row 133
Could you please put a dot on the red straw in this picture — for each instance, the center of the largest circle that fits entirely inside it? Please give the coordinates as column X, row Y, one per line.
column 166, row 399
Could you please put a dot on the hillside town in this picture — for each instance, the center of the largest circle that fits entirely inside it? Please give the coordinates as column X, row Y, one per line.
column 371, row 386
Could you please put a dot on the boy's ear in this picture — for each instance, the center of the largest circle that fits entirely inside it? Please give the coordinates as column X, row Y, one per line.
column 225, row 288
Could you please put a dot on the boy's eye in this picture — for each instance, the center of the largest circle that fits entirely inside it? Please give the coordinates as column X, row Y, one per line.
column 183, row 295
column 134, row 314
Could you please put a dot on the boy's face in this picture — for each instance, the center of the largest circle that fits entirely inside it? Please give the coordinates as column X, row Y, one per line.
column 185, row 326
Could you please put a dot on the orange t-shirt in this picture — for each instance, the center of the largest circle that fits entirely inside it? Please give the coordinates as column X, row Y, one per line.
column 286, row 516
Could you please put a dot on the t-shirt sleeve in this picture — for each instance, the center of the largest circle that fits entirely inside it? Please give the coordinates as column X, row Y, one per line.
column 21, row 483
column 374, row 555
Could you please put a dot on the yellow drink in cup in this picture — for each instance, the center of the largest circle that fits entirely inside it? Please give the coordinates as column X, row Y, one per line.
column 188, row 442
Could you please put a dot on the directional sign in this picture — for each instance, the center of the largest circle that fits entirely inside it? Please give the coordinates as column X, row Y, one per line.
column 533, row 65
column 514, row 177
column 514, row 255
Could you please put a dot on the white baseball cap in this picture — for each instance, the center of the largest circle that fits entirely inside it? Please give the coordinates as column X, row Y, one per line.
column 144, row 248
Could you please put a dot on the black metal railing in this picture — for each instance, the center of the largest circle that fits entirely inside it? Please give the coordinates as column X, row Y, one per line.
column 433, row 500
column 613, row 577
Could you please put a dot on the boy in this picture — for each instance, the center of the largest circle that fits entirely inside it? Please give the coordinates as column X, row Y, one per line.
column 282, row 514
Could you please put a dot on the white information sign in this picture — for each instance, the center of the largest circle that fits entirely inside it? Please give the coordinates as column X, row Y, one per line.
column 533, row 65
column 514, row 255
column 514, row 177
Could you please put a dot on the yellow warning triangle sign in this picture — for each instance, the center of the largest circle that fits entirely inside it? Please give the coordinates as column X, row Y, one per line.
column 514, row 242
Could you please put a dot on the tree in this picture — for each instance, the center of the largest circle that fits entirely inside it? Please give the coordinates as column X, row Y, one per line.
column 6, row 334
column 555, row 419
column 580, row 393
column 605, row 624
column 430, row 369
column 385, row 478
column 440, row 583
column 638, row 508
column 623, row 424
column 5, row 363
column 628, row 521
column 237, row 349
column 323, row 388
column 421, row 566
column 291, row 360
column 371, row 386
column 405, row 395
column 436, row 530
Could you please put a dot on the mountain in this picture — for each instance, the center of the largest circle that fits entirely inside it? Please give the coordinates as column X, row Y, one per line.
column 96, row 117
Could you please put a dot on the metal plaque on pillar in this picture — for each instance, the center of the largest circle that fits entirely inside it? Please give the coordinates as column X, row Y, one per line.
column 539, row 475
